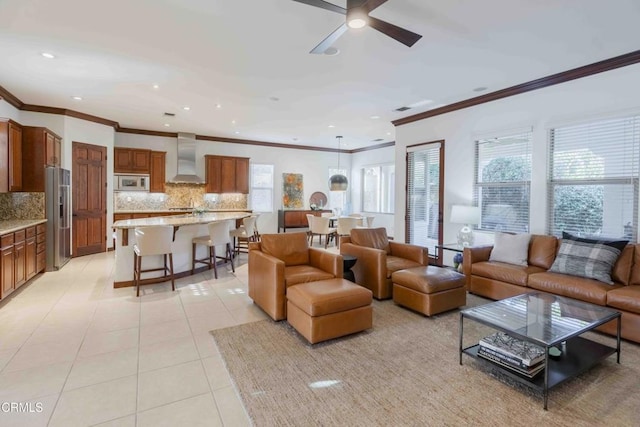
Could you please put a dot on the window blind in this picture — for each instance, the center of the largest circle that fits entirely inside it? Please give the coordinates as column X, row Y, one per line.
column 593, row 178
column 423, row 195
column 502, row 181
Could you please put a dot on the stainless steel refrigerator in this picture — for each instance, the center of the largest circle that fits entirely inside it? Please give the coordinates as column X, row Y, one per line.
column 58, row 212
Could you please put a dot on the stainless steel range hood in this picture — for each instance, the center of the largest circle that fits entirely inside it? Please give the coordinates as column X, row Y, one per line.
column 186, row 160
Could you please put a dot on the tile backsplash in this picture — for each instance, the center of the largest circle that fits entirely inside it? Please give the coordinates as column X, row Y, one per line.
column 21, row 206
column 177, row 196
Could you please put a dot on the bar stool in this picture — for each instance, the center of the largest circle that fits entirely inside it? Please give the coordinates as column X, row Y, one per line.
column 154, row 240
column 218, row 236
column 244, row 234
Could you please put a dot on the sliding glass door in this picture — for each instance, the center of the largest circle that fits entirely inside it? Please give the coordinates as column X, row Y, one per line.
column 425, row 174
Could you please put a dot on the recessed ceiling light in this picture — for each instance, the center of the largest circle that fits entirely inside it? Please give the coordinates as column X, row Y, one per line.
column 480, row 89
column 218, row 106
column 186, row 108
column 156, row 86
column 237, row 132
column 48, row 55
column 388, row 133
column 233, row 122
column 375, row 117
column 332, row 51
column 77, row 98
column 420, row 103
column 167, row 125
column 331, row 126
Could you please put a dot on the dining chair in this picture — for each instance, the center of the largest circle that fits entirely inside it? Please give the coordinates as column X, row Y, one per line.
column 319, row 225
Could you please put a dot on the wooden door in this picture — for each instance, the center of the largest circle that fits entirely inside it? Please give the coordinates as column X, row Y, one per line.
column 89, row 184
column 50, row 149
column 228, row 175
column 8, row 278
column 157, row 172
column 212, row 174
column 242, row 175
column 15, row 158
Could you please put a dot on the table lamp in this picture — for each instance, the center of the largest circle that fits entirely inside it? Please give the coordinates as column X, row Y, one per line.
column 467, row 215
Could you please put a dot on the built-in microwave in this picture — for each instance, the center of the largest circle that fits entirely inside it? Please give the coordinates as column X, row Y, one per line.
column 131, row 183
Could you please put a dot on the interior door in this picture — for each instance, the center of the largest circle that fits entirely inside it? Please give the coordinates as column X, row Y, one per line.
column 425, row 184
column 89, row 199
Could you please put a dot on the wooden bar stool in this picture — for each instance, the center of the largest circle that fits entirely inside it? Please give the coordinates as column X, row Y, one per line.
column 153, row 240
column 218, row 236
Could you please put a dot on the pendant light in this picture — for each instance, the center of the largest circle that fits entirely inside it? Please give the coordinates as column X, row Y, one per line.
column 338, row 182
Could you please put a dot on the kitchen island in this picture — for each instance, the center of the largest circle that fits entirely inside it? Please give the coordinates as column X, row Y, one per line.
column 185, row 228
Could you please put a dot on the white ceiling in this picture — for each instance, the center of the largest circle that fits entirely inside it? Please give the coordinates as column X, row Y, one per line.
column 241, row 53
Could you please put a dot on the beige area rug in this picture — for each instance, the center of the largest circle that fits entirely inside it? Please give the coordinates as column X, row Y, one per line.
column 405, row 372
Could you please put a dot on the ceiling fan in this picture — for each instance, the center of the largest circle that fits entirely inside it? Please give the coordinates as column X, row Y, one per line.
column 357, row 13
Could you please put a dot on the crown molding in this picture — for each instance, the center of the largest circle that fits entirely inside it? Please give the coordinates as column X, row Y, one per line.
column 147, row 132
column 10, row 98
column 373, row 147
column 554, row 79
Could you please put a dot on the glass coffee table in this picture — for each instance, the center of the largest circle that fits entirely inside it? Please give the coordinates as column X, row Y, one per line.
column 547, row 321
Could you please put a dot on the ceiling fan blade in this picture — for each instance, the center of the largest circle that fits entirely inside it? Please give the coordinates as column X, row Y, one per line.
column 373, row 4
column 405, row 37
column 330, row 39
column 324, row 5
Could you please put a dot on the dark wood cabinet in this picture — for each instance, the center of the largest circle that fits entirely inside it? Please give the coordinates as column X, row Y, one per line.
column 40, row 148
column 7, row 260
column 10, row 156
column 227, row 174
column 157, row 172
column 30, row 248
column 213, row 173
column 131, row 160
column 22, row 256
column 295, row 218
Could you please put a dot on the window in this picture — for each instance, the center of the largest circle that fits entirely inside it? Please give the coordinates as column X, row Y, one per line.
column 261, row 188
column 337, row 199
column 378, row 188
column 424, row 180
column 593, row 178
column 502, row 179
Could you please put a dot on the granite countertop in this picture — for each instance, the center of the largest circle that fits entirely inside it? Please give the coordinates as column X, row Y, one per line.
column 11, row 225
column 177, row 210
column 179, row 220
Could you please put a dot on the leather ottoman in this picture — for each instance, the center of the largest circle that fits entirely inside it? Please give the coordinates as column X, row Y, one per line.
column 429, row 290
column 328, row 309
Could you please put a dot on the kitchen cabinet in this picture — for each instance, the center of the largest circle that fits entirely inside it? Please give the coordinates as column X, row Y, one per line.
column 10, row 156
column 7, row 261
column 40, row 147
column 22, row 256
column 131, row 160
column 157, row 171
column 227, row 174
column 30, row 248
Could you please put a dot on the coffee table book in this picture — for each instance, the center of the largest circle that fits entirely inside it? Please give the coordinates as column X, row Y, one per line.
column 514, row 349
column 528, row 371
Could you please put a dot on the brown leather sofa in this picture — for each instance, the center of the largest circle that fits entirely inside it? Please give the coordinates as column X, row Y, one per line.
column 497, row 280
column 279, row 261
column 378, row 257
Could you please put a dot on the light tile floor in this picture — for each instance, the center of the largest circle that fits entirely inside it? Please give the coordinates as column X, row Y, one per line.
column 93, row 355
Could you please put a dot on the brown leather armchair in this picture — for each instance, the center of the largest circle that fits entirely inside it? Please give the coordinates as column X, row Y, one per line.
column 378, row 257
column 279, row 261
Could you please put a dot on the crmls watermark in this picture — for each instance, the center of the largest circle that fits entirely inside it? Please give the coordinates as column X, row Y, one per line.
column 21, row 407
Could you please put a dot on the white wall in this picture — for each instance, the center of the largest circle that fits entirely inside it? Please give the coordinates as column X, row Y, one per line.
column 9, row 111
column 613, row 93
column 367, row 158
column 313, row 165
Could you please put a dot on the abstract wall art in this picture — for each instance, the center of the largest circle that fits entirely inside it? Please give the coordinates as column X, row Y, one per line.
column 292, row 191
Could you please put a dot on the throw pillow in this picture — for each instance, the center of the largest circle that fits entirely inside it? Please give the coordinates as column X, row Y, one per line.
column 618, row 244
column 511, row 248
column 583, row 258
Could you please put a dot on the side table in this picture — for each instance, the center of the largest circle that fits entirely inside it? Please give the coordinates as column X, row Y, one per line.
column 453, row 247
column 348, row 261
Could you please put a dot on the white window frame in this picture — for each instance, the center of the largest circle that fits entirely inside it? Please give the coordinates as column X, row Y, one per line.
column 385, row 203
column 488, row 213
column 254, row 187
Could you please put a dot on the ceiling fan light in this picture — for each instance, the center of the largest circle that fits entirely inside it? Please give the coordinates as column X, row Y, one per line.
column 356, row 22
